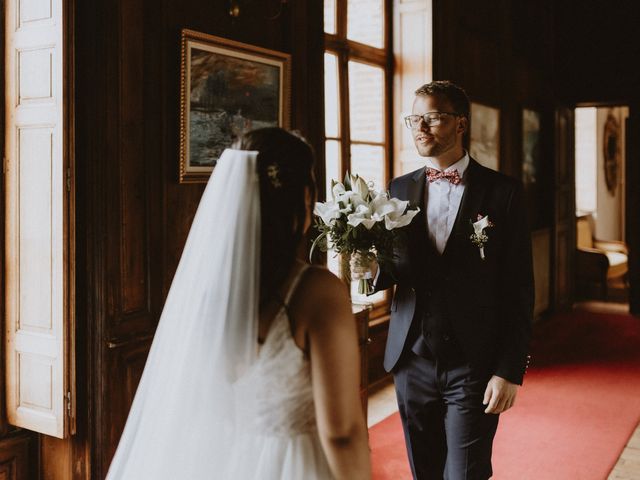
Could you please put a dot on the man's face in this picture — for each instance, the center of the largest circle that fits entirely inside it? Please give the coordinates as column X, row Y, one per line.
column 433, row 141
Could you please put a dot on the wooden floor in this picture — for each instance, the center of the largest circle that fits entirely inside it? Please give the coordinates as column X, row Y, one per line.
column 382, row 403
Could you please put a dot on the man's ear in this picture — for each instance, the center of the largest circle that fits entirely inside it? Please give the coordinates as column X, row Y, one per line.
column 463, row 125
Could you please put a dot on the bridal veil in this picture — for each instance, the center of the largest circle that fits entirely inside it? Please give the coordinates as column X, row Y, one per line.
column 182, row 420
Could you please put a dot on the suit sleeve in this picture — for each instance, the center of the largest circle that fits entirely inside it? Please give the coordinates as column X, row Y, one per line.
column 518, row 287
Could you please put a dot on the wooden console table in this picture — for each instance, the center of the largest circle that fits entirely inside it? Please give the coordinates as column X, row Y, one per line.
column 361, row 313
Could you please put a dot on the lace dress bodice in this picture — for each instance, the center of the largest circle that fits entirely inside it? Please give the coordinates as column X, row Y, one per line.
column 275, row 397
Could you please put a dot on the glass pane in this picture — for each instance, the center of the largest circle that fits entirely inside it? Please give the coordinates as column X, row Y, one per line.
column 365, row 20
column 366, row 102
column 330, row 16
column 368, row 162
column 333, row 262
column 331, row 95
column 332, row 163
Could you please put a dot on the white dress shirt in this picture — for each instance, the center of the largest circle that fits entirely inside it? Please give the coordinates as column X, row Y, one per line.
column 443, row 201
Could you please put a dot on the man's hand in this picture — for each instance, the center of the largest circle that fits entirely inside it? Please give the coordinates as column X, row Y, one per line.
column 500, row 395
column 362, row 267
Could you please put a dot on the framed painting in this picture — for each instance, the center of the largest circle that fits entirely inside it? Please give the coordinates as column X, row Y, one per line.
column 485, row 135
column 530, row 146
column 226, row 89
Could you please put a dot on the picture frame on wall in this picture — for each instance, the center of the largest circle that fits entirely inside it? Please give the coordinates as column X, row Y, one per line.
column 485, row 135
column 226, row 89
column 531, row 148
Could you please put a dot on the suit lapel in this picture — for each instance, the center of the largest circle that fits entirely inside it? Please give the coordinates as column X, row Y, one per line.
column 415, row 189
column 418, row 236
column 474, row 191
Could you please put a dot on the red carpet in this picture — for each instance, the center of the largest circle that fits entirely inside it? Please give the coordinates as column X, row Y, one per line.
column 579, row 405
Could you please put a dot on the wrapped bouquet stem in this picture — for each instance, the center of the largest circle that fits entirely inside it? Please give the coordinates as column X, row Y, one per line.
column 360, row 222
column 363, row 262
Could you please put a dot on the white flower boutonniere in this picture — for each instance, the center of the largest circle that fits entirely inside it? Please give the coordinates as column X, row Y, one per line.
column 478, row 237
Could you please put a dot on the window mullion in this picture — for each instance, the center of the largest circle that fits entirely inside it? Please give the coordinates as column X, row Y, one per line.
column 341, row 19
column 345, row 129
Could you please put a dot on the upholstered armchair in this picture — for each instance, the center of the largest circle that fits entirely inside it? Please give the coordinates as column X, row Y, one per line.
column 598, row 261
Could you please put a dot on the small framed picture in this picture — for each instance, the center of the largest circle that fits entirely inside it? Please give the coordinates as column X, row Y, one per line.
column 227, row 88
column 485, row 135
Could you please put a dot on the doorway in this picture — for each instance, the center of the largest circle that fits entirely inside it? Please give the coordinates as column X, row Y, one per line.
column 601, row 251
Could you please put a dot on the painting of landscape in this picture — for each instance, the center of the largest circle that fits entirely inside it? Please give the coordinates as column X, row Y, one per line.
column 226, row 92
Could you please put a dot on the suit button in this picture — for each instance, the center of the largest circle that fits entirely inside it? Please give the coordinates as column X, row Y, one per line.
column 446, row 337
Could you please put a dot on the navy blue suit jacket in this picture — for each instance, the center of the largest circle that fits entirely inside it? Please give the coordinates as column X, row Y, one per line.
column 490, row 301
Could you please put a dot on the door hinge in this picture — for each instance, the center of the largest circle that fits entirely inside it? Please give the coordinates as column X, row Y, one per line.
column 68, row 395
column 68, row 179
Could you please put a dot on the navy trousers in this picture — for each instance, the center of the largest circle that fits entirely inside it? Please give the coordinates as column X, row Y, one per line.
column 447, row 433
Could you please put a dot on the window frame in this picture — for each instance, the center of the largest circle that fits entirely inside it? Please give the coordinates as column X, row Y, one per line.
column 347, row 50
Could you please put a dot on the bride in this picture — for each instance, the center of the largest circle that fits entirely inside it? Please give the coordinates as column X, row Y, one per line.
column 253, row 372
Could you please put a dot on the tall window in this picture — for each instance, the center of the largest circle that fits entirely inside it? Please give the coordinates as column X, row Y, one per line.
column 358, row 76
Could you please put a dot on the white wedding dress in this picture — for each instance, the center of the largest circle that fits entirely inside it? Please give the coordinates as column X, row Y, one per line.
column 275, row 408
column 212, row 404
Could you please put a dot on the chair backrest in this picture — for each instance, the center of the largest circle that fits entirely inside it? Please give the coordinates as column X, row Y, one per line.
column 584, row 234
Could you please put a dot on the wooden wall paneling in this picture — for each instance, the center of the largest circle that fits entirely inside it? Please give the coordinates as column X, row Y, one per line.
column 133, row 259
column 596, row 68
column 541, row 246
column 127, row 363
column 304, row 33
column 564, row 218
column 90, row 143
column 632, row 204
column 131, row 322
column 17, row 460
column 136, row 217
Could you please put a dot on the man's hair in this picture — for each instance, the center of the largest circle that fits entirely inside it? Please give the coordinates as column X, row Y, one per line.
column 449, row 90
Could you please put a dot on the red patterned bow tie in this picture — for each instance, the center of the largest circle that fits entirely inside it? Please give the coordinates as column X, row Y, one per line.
column 452, row 175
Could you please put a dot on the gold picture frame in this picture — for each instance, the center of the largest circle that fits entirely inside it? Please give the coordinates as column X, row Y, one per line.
column 485, row 135
column 226, row 89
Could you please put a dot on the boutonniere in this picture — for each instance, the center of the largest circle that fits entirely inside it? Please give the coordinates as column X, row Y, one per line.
column 478, row 237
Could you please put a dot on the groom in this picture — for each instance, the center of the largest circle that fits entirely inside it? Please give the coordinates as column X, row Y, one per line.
column 462, row 310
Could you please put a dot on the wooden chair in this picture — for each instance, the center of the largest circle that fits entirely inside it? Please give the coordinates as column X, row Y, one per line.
column 598, row 261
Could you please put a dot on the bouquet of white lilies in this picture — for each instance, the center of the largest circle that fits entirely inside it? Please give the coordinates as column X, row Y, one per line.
column 359, row 220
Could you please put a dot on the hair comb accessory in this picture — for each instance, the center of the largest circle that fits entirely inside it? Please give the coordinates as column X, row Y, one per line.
column 273, row 172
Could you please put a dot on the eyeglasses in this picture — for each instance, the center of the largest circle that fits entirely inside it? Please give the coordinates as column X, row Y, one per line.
column 431, row 119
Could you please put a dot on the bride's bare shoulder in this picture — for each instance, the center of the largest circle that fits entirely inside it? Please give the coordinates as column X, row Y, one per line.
column 321, row 287
column 321, row 280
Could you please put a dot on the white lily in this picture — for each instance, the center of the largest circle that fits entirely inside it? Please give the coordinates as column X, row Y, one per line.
column 360, row 187
column 330, row 211
column 362, row 215
column 481, row 224
column 399, row 219
column 327, row 211
column 337, row 189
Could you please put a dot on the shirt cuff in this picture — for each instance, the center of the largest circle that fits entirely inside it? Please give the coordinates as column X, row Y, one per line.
column 375, row 279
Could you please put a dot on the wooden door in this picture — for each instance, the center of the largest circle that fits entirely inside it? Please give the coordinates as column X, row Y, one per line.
column 564, row 211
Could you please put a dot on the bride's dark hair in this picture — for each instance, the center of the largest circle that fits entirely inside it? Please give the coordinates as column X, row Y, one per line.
column 285, row 169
